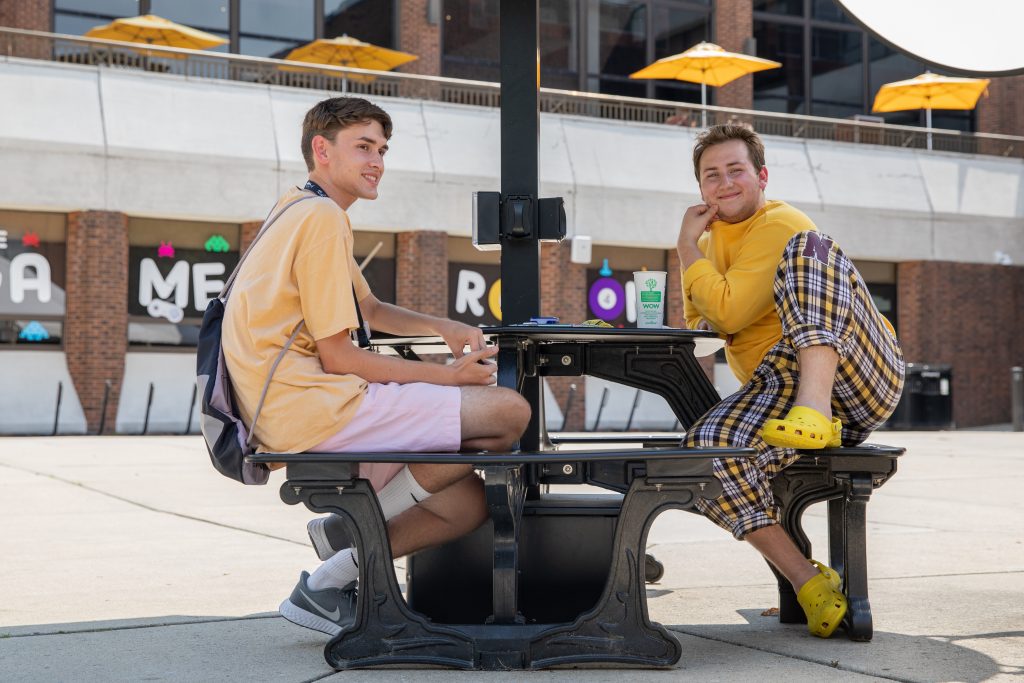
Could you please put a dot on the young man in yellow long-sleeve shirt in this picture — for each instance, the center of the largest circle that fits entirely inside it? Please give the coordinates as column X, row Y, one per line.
column 820, row 365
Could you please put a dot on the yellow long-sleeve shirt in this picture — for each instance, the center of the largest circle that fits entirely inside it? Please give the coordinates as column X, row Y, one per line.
column 731, row 287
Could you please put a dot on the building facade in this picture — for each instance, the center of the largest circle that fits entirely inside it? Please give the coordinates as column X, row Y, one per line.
column 119, row 220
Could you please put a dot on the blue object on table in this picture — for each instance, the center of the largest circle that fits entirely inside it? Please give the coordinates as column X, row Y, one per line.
column 544, row 320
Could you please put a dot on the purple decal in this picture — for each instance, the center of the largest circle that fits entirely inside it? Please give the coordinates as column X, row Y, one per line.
column 607, row 298
column 817, row 248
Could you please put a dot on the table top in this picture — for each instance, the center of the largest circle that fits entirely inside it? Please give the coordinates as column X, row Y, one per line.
column 705, row 343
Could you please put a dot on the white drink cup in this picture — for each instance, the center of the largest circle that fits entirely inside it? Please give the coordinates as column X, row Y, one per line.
column 650, row 298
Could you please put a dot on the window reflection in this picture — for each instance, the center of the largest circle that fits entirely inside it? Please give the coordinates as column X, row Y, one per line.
column 371, row 21
column 836, row 73
column 115, row 8
column 201, row 14
column 782, row 89
column 272, row 28
column 790, row 7
column 471, row 39
column 677, row 30
column 558, row 34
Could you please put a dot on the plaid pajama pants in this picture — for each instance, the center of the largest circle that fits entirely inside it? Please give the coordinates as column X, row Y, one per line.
column 821, row 299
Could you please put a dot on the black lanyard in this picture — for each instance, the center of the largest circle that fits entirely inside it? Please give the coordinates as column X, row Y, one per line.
column 363, row 331
column 313, row 187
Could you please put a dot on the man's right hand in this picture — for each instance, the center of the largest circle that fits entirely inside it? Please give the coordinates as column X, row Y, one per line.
column 475, row 368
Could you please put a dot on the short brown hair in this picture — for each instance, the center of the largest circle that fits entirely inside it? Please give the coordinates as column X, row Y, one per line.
column 716, row 135
column 326, row 118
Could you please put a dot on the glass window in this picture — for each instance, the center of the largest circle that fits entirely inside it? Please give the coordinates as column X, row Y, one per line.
column 677, row 30
column 277, row 18
column 372, row 21
column 836, row 73
column 267, row 47
column 791, row 7
column 470, row 40
column 174, row 268
column 32, row 269
column 558, row 36
column 76, row 25
column 272, row 28
column 617, row 40
column 780, row 90
column 114, row 8
column 206, row 15
column 828, row 10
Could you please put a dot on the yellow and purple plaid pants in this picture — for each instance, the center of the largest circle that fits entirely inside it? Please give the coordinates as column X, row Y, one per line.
column 821, row 299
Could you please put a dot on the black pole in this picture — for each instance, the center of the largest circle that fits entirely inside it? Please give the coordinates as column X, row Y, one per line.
column 149, row 404
column 191, row 408
column 520, row 131
column 103, row 406
column 56, row 412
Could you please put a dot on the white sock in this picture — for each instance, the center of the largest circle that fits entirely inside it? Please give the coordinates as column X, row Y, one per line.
column 336, row 572
column 400, row 494
column 397, row 496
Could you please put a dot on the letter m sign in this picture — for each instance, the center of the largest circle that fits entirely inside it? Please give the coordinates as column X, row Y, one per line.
column 817, row 247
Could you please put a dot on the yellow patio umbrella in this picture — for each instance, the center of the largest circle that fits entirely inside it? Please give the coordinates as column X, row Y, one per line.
column 930, row 91
column 348, row 51
column 154, row 30
column 707, row 64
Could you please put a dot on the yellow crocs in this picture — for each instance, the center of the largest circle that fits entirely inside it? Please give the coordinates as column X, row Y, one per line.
column 823, row 604
column 803, row 428
column 831, row 574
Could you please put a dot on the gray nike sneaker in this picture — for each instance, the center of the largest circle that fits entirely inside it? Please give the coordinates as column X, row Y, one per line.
column 328, row 610
column 328, row 535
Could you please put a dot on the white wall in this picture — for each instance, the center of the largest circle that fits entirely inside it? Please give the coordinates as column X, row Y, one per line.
column 173, row 375
column 75, row 137
column 28, row 394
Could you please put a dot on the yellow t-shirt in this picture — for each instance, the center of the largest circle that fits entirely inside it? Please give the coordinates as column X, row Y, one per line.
column 301, row 269
column 731, row 287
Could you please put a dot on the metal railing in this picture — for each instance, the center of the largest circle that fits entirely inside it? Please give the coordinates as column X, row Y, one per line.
column 211, row 65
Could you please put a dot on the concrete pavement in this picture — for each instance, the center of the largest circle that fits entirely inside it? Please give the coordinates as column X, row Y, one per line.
column 129, row 558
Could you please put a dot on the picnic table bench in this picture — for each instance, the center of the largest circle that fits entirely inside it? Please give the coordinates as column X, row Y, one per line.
column 560, row 579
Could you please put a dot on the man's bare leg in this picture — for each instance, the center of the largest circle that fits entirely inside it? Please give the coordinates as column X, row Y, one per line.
column 817, row 374
column 445, row 516
column 778, row 548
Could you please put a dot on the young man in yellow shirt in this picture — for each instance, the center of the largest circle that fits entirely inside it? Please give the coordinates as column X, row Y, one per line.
column 820, row 365
column 330, row 395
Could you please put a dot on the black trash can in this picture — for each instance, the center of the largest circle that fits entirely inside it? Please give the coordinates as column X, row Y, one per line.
column 927, row 400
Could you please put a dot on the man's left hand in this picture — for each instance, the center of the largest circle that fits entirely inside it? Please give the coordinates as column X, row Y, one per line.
column 460, row 335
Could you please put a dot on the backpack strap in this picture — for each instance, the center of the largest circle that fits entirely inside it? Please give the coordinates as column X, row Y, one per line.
column 363, row 337
column 263, row 229
column 270, row 220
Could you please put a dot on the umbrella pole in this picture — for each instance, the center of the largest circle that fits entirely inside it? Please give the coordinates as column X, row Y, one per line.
column 703, row 104
column 928, row 124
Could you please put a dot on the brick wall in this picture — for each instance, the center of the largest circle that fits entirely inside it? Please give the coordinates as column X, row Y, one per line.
column 970, row 316
column 1000, row 112
column 563, row 294
column 419, row 37
column 421, row 272
column 28, row 14
column 734, row 23
column 96, row 326
column 34, row 15
column 248, row 234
